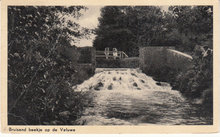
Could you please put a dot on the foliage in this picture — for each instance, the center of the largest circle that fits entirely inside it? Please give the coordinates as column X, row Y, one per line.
column 126, row 28
column 129, row 27
column 86, row 55
column 39, row 69
column 194, row 25
column 197, row 80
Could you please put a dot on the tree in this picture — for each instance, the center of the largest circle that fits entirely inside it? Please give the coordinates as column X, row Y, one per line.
column 39, row 74
column 127, row 28
column 194, row 28
column 111, row 31
column 194, row 25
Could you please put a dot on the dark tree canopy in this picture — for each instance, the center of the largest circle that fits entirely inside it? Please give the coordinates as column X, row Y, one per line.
column 124, row 27
column 129, row 27
column 194, row 25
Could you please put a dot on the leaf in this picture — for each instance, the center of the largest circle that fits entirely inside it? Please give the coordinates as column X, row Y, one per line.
column 16, row 55
column 43, row 90
column 65, row 114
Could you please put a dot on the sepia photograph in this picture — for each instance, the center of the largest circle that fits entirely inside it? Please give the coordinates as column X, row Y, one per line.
column 111, row 67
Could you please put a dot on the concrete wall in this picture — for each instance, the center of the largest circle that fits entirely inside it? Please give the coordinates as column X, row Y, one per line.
column 178, row 60
column 132, row 62
column 158, row 58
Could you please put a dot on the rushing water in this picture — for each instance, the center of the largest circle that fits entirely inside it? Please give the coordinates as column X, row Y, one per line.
column 129, row 97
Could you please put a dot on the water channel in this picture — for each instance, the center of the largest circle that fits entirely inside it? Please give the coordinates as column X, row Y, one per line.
column 129, row 97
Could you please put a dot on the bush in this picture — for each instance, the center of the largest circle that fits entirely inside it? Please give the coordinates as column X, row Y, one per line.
column 86, row 54
column 42, row 66
column 198, row 78
column 58, row 105
column 195, row 83
column 44, row 94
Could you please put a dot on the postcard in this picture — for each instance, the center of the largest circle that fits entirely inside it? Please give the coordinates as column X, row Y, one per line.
column 135, row 67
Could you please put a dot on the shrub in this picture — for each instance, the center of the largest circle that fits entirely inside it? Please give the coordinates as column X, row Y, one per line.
column 198, row 78
column 41, row 96
column 42, row 65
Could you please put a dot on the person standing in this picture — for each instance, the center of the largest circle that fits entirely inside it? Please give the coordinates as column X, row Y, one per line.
column 106, row 53
column 115, row 53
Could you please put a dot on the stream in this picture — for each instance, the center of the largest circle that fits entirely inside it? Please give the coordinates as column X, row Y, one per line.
column 125, row 96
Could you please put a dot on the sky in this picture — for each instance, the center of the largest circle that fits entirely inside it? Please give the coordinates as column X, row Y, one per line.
column 89, row 19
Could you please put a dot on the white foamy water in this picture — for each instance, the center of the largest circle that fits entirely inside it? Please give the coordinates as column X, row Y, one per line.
column 128, row 97
column 120, row 80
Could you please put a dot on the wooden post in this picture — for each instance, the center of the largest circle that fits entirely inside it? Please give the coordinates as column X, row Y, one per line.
column 120, row 54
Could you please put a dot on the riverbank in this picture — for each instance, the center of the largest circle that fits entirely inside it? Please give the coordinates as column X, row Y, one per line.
column 195, row 84
column 191, row 75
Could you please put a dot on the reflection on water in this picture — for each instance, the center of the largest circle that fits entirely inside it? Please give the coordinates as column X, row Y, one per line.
column 129, row 97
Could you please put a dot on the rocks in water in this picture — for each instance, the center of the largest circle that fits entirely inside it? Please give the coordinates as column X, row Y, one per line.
column 110, row 87
column 164, row 84
column 142, row 81
column 133, row 74
column 90, row 87
column 98, row 86
column 114, row 78
column 135, row 84
column 158, row 83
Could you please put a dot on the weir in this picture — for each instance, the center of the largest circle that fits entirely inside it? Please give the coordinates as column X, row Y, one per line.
column 126, row 96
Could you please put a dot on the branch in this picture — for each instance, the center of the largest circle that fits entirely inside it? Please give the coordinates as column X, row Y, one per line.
column 29, row 85
column 20, row 117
